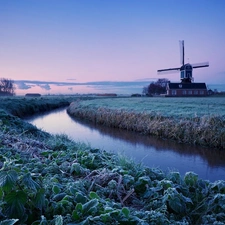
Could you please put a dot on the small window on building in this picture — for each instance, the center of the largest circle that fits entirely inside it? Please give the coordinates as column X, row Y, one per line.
column 201, row 92
column 195, row 92
column 184, row 92
column 190, row 92
column 174, row 92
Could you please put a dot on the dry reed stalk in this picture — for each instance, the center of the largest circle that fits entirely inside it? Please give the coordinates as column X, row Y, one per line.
column 205, row 131
column 128, row 195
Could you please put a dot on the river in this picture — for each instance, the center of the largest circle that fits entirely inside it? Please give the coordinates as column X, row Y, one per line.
column 167, row 155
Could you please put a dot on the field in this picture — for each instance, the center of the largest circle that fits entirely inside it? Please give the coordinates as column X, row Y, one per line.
column 198, row 121
column 27, row 106
column 47, row 179
column 167, row 107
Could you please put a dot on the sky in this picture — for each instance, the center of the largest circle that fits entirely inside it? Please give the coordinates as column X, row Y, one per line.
column 104, row 40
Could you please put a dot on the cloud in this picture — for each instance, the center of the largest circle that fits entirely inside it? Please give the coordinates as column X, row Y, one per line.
column 27, row 84
column 44, row 86
column 22, row 85
column 38, row 82
column 99, row 85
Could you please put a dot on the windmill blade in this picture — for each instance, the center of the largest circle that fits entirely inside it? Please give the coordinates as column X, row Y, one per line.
column 200, row 65
column 167, row 71
column 182, row 52
column 170, row 69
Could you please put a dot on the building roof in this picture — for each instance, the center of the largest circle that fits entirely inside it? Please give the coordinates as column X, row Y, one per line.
column 32, row 95
column 187, row 86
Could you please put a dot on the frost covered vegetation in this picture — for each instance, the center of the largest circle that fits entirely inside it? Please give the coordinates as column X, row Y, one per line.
column 199, row 121
column 46, row 179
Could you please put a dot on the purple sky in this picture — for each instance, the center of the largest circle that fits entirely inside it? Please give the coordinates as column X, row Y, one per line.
column 104, row 40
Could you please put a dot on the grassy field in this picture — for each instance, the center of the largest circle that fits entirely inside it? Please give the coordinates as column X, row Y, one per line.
column 199, row 121
column 27, row 106
column 167, row 107
column 50, row 179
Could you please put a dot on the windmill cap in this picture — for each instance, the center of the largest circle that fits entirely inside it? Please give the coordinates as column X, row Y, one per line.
column 187, row 66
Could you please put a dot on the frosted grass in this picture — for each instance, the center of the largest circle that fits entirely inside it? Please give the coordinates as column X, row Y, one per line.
column 175, row 107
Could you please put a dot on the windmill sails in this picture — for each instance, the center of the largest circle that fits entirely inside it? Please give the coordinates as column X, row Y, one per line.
column 183, row 65
column 182, row 52
column 200, row 65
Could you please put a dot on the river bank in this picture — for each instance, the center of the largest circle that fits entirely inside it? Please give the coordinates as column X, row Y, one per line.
column 149, row 150
column 50, row 179
column 192, row 122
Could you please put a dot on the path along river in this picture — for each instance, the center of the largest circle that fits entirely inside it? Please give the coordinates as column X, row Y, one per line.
column 209, row 164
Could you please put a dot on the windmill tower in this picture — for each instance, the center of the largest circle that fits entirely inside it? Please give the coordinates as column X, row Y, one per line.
column 186, row 70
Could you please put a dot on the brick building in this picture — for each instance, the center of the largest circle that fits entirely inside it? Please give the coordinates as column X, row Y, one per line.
column 186, row 89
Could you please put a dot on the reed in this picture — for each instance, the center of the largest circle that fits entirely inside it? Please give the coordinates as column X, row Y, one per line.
column 207, row 130
column 26, row 106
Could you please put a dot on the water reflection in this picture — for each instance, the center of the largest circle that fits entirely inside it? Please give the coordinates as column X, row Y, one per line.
column 214, row 157
column 150, row 151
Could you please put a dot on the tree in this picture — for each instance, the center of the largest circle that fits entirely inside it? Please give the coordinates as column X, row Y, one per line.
column 156, row 88
column 7, row 87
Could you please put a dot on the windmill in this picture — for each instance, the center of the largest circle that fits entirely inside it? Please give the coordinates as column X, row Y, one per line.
column 185, row 69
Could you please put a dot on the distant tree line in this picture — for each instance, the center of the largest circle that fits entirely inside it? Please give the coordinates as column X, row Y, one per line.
column 156, row 88
column 7, row 86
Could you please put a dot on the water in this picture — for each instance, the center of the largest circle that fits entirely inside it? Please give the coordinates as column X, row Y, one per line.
column 153, row 152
